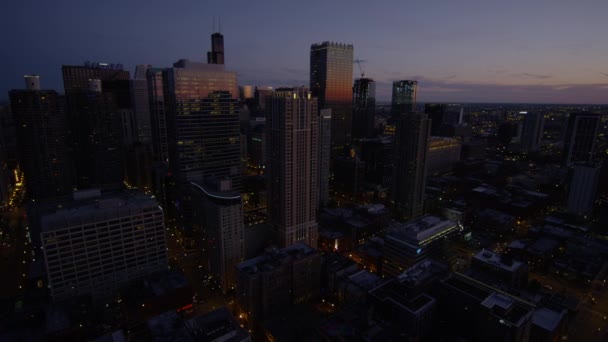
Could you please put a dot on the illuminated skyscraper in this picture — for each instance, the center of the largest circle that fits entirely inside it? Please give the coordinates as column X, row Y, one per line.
column 404, row 97
column 41, row 129
column 331, row 81
column 364, row 108
column 411, row 148
column 291, row 130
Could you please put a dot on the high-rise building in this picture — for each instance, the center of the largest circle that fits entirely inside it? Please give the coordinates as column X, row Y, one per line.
column 436, row 113
column 404, row 97
column 158, row 113
column 324, row 149
column 224, row 231
column 331, row 81
column 100, row 119
column 141, row 105
column 583, row 188
column 364, row 108
column 291, row 130
column 532, row 131
column 41, row 129
column 410, row 164
column 98, row 245
column 203, row 125
column 580, row 138
column 216, row 55
column 97, row 130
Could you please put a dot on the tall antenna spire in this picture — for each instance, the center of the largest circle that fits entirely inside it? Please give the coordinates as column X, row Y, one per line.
column 219, row 20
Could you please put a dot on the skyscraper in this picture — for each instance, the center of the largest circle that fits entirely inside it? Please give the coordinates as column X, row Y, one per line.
column 100, row 117
column 583, row 188
column 203, row 122
column 532, row 131
column 331, row 80
column 364, row 108
column 436, row 112
column 224, row 231
column 141, row 105
column 404, row 97
column 158, row 113
column 41, row 129
column 409, row 180
column 216, row 55
column 324, row 149
column 291, row 126
column 580, row 138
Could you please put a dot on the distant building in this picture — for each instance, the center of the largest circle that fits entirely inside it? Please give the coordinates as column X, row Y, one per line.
column 408, row 243
column 141, row 104
column 532, row 131
column 364, row 108
column 583, row 188
column 41, row 132
column 331, row 81
column 500, row 270
column 404, row 97
column 349, row 173
column 378, row 154
column 216, row 55
column 580, row 138
column 324, row 154
column 272, row 283
column 158, row 112
column 410, row 170
column 443, row 154
column 291, row 130
column 436, row 113
column 98, row 245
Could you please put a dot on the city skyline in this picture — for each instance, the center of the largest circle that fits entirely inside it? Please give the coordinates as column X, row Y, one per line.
column 528, row 53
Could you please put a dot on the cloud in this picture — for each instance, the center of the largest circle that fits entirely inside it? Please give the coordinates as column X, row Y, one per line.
column 605, row 74
column 530, row 75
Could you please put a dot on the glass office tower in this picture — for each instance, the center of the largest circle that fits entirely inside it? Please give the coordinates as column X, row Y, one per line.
column 404, row 97
column 364, row 108
column 331, row 79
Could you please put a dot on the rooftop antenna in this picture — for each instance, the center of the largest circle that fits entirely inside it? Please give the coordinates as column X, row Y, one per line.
column 219, row 20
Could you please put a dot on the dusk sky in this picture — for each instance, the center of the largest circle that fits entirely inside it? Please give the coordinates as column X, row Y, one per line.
column 460, row 51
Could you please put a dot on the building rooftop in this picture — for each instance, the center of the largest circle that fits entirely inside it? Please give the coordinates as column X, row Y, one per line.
column 217, row 325
column 421, row 272
column 57, row 215
column 274, row 258
column 548, row 319
column 420, row 231
column 489, row 257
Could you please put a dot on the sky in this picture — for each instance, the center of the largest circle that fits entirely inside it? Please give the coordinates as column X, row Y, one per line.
column 531, row 51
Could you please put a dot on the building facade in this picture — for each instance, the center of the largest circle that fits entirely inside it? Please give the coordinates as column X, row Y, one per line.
column 292, row 133
column 580, row 138
column 410, row 164
column 404, row 97
column 331, row 81
column 41, row 132
column 98, row 245
column 324, row 158
column 364, row 108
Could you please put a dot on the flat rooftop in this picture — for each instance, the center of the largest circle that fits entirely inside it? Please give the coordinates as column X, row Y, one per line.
column 421, row 272
column 489, row 257
column 275, row 257
column 62, row 214
column 420, row 230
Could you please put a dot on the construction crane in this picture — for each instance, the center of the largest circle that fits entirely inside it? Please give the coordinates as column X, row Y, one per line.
column 360, row 68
